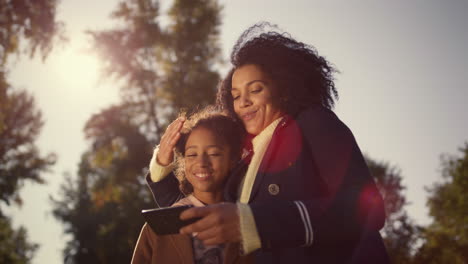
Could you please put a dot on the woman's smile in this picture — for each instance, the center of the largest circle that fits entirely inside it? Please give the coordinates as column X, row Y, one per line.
column 249, row 116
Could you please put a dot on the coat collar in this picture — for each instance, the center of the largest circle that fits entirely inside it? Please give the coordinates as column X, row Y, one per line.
column 269, row 154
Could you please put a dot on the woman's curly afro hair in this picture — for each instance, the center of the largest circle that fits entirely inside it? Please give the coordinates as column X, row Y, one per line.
column 301, row 76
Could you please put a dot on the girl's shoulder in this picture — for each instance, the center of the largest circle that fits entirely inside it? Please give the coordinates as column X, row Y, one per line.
column 189, row 200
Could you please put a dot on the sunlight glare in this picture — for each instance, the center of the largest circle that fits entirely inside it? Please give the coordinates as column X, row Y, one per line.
column 77, row 68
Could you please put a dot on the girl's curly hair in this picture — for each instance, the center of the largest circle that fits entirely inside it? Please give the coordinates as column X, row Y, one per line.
column 228, row 129
column 302, row 77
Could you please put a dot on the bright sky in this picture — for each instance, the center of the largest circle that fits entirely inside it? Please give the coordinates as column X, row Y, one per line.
column 403, row 86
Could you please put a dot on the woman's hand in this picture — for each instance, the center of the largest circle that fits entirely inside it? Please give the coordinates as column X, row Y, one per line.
column 219, row 223
column 168, row 142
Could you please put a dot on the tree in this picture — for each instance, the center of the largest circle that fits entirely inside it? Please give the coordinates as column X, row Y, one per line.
column 20, row 121
column 102, row 210
column 163, row 69
column 20, row 124
column 446, row 238
column 15, row 247
column 32, row 21
column 399, row 232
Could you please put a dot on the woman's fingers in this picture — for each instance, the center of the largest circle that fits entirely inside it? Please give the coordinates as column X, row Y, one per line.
column 195, row 212
column 169, row 140
column 172, row 130
column 219, row 223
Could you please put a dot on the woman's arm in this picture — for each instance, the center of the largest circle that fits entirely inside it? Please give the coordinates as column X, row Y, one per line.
column 162, row 182
column 166, row 191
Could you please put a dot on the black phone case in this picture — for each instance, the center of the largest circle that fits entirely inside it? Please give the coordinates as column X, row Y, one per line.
column 166, row 221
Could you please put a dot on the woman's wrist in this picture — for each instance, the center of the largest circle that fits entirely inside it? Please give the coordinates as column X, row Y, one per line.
column 157, row 170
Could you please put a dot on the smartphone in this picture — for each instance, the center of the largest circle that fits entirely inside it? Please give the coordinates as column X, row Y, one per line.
column 166, row 221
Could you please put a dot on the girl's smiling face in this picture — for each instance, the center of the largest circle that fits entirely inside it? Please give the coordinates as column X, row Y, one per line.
column 207, row 162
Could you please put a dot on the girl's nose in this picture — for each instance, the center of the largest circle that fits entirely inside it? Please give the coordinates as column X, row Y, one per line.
column 203, row 160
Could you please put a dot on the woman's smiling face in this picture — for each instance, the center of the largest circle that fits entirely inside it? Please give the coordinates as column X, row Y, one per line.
column 207, row 161
column 252, row 93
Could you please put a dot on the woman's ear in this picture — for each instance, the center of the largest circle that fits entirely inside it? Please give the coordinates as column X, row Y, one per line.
column 232, row 165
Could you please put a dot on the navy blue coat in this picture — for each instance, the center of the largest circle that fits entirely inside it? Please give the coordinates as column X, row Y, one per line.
column 312, row 174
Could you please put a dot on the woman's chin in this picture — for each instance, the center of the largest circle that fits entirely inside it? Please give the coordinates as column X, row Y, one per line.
column 253, row 130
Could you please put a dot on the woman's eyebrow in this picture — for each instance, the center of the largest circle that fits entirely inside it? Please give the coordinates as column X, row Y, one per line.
column 250, row 83
column 254, row 81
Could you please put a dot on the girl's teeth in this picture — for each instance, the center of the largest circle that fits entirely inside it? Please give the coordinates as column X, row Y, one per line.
column 201, row 175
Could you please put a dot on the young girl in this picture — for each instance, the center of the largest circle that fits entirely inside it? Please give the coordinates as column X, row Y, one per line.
column 207, row 147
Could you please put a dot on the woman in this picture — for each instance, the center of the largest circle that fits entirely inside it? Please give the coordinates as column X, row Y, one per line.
column 307, row 195
column 208, row 149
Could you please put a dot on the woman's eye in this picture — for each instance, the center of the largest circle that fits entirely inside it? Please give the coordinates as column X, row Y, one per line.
column 190, row 155
column 215, row 154
column 235, row 97
column 257, row 90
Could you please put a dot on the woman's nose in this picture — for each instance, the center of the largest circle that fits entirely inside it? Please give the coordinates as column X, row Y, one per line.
column 245, row 101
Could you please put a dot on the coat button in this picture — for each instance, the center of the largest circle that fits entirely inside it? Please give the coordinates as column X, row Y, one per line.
column 273, row 189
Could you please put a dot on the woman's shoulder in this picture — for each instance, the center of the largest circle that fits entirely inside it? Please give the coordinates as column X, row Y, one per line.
column 319, row 120
column 318, row 114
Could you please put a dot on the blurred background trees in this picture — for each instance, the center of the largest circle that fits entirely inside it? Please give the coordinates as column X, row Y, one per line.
column 25, row 26
column 445, row 240
column 31, row 23
column 399, row 233
column 164, row 61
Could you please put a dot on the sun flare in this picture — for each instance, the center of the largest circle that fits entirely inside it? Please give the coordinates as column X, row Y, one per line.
column 77, row 67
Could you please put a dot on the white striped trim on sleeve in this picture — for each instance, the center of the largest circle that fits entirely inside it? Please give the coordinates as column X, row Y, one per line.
column 306, row 220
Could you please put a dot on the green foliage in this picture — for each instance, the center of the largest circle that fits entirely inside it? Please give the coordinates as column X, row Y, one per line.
column 446, row 238
column 400, row 233
column 28, row 25
column 101, row 207
column 20, row 124
column 14, row 248
column 188, row 64
column 162, row 69
column 20, row 161
column 32, row 21
column 102, row 216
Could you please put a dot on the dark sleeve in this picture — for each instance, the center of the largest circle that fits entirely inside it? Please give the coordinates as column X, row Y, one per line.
column 352, row 206
column 166, row 191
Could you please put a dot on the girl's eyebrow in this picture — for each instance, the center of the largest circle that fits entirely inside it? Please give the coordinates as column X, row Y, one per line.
column 216, row 146
column 189, row 147
column 209, row 146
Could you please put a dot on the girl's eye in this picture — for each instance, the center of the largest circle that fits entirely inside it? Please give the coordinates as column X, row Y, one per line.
column 235, row 97
column 190, row 155
column 215, row 154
